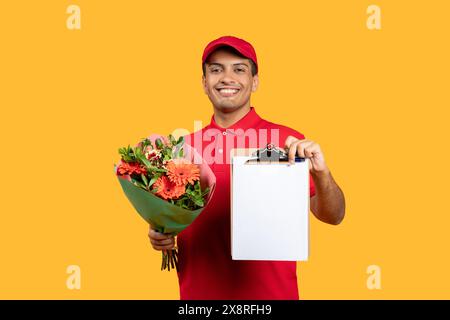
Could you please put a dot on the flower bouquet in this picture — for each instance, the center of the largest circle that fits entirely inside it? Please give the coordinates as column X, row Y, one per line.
column 168, row 184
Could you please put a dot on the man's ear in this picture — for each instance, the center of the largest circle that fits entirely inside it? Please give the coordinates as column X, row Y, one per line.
column 205, row 89
column 255, row 83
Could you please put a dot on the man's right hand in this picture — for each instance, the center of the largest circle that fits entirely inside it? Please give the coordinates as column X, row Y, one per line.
column 161, row 241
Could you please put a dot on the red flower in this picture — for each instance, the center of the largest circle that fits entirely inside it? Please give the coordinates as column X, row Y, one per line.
column 128, row 168
column 182, row 172
column 152, row 154
column 167, row 189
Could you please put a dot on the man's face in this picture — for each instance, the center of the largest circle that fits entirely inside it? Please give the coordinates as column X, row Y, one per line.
column 228, row 80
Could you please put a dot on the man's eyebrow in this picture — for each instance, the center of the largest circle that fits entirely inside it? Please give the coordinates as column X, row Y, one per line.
column 235, row 64
column 241, row 64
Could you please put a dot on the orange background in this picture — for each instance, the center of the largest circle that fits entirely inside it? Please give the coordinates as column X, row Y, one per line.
column 375, row 100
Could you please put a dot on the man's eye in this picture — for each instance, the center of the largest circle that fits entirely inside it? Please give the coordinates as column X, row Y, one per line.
column 240, row 70
column 215, row 70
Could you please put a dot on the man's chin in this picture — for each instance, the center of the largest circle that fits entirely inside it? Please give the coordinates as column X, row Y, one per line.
column 227, row 106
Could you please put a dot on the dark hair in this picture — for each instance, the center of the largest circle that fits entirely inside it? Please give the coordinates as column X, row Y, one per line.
column 234, row 51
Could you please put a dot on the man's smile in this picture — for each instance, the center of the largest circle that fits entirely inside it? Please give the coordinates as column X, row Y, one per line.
column 227, row 91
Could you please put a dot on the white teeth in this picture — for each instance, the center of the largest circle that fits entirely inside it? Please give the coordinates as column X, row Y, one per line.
column 228, row 90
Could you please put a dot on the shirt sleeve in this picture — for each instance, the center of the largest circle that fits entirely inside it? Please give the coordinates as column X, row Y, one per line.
column 312, row 187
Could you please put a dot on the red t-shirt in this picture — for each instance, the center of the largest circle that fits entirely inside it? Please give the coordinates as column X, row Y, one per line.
column 206, row 270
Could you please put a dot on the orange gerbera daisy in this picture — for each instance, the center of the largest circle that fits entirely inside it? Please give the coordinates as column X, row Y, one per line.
column 167, row 189
column 181, row 172
column 129, row 168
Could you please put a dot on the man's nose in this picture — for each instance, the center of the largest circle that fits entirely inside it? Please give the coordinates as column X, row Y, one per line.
column 227, row 76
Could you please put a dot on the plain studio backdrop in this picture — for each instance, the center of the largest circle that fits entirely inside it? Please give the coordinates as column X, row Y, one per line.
column 375, row 100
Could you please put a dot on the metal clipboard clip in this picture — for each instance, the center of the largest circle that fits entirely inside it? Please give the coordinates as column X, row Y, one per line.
column 271, row 155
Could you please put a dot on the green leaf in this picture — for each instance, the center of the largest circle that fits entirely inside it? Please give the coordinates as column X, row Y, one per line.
column 144, row 178
column 156, row 169
column 167, row 151
column 199, row 202
column 205, row 192
column 172, row 140
column 159, row 143
column 139, row 184
column 145, row 143
column 153, row 180
column 142, row 158
column 127, row 154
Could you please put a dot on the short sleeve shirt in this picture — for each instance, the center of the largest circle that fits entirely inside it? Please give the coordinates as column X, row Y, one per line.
column 206, row 270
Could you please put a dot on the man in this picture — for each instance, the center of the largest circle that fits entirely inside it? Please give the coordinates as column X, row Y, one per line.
column 206, row 270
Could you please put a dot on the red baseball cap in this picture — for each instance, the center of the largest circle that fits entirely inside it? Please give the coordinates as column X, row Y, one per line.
column 242, row 46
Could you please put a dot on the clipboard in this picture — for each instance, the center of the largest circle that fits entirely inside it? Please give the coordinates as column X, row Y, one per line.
column 269, row 205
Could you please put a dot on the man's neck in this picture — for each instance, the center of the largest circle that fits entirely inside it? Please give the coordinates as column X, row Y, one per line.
column 227, row 119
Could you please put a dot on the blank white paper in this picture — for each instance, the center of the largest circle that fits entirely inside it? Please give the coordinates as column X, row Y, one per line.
column 269, row 211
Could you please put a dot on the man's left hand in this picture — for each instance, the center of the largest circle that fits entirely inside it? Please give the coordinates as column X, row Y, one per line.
column 306, row 149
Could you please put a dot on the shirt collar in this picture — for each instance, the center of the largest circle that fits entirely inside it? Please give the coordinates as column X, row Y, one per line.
column 250, row 120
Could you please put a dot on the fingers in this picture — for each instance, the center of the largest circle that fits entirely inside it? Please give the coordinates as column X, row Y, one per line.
column 292, row 151
column 289, row 141
column 308, row 152
column 162, row 242
column 153, row 234
column 164, row 248
column 301, row 148
column 304, row 149
column 291, row 145
column 166, row 244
